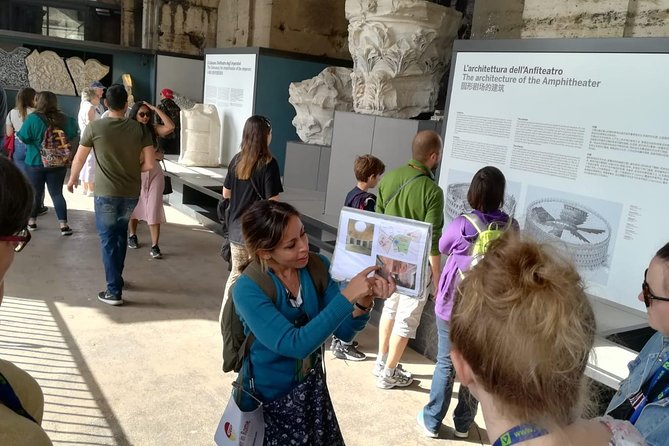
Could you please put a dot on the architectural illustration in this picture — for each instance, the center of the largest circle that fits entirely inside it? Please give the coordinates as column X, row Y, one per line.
column 13, row 70
column 47, row 72
column 84, row 73
column 315, row 101
column 585, row 232
column 400, row 51
column 456, row 201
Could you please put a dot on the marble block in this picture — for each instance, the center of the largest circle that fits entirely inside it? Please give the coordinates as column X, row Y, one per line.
column 47, row 72
column 13, row 69
column 400, row 51
column 200, row 136
column 84, row 73
column 315, row 101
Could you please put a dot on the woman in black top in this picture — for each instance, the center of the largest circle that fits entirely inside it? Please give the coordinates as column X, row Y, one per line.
column 253, row 174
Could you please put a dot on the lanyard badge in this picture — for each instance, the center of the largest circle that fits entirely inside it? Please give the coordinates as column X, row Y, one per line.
column 519, row 434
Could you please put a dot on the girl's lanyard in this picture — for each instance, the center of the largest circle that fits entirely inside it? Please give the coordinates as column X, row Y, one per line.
column 640, row 400
column 519, row 434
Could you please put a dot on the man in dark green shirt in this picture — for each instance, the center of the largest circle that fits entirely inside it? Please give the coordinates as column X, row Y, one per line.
column 123, row 150
column 411, row 192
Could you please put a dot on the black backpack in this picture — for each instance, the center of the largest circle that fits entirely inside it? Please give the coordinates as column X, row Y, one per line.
column 235, row 344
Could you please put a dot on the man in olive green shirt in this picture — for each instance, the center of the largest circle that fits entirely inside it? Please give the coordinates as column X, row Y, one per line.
column 123, row 150
column 411, row 192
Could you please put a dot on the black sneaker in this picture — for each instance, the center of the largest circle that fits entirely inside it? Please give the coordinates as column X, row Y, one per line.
column 32, row 226
column 335, row 341
column 344, row 351
column 155, row 252
column 133, row 243
column 43, row 210
column 109, row 299
column 65, row 230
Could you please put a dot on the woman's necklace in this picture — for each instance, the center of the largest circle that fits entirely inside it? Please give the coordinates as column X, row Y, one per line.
column 291, row 282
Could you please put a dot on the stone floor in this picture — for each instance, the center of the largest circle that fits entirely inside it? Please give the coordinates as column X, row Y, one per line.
column 149, row 372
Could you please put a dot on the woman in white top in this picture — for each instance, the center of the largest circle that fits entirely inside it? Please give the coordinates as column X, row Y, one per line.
column 88, row 112
column 25, row 101
column 522, row 330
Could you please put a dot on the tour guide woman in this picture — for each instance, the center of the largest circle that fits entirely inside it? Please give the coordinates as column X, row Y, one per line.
column 284, row 363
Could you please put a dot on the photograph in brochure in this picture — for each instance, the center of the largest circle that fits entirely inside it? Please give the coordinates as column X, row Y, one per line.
column 399, row 247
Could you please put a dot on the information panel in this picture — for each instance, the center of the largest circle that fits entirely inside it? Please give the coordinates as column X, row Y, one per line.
column 583, row 141
column 229, row 84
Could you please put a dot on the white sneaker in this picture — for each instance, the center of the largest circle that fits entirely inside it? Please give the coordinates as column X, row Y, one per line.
column 379, row 367
column 421, row 423
column 397, row 379
column 459, row 434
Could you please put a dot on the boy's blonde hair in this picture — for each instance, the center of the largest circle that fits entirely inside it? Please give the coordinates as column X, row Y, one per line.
column 367, row 165
column 523, row 323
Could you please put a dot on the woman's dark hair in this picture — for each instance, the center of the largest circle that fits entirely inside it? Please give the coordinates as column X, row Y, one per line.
column 16, row 198
column 46, row 103
column 263, row 224
column 133, row 115
column 25, row 99
column 255, row 150
column 486, row 191
column 663, row 253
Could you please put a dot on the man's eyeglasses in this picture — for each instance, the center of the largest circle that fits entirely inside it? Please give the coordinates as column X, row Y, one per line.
column 647, row 295
column 21, row 239
column 143, row 114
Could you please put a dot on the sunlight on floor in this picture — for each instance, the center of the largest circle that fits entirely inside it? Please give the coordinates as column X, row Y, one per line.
column 31, row 339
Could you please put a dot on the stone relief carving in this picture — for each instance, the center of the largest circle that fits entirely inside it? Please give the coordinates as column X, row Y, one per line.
column 13, row 70
column 84, row 73
column 400, row 51
column 315, row 101
column 47, row 72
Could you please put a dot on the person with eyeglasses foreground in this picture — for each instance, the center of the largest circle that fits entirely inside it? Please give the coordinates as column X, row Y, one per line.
column 643, row 397
column 21, row 399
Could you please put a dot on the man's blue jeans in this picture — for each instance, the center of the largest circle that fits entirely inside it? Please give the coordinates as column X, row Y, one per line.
column 442, row 388
column 111, row 219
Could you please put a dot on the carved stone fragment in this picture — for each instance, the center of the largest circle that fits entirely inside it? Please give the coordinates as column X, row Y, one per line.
column 200, row 136
column 315, row 101
column 84, row 73
column 47, row 72
column 13, row 70
column 400, row 51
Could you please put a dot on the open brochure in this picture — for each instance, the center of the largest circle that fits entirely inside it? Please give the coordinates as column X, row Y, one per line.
column 399, row 246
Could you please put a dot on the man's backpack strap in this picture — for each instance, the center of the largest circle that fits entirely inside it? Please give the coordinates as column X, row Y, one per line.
column 475, row 221
column 402, row 186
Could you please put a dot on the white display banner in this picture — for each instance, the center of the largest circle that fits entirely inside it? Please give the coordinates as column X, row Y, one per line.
column 399, row 246
column 229, row 84
column 583, row 141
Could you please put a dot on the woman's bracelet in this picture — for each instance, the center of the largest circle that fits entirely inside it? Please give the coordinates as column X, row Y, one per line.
column 365, row 309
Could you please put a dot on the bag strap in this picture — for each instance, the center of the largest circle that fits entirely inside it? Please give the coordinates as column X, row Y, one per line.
column 317, row 271
column 392, row 197
column 475, row 221
column 164, row 166
column 9, row 398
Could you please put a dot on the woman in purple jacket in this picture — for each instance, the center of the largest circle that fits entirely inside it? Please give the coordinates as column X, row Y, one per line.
column 486, row 197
